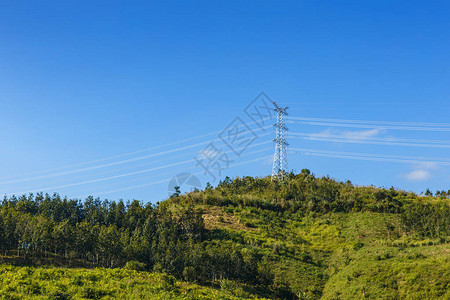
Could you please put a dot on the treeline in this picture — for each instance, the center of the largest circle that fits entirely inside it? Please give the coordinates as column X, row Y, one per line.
column 302, row 192
column 427, row 219
column 305, row 193
column 111, row 234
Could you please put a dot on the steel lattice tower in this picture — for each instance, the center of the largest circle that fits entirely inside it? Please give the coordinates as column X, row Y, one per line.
column 280, row 165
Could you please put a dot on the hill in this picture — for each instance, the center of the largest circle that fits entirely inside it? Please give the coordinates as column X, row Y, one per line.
column 305, row 238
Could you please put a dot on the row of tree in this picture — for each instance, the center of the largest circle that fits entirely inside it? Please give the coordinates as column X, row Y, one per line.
column 110, row 234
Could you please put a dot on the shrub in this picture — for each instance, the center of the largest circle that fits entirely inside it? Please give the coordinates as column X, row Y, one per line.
column 358, row 245
column 77, row 281
column 135, row 265
column 59, row 295
column 168, row 282
column 189, row 274
column 93, row 293
column 227, row 285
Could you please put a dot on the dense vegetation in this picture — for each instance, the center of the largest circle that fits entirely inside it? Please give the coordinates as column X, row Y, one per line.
column 58, row 283
column 306, row 238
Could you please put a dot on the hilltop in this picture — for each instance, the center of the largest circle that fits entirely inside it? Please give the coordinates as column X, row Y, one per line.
column 306, row 238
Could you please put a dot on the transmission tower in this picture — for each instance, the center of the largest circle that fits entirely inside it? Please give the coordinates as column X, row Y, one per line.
column 280, row 166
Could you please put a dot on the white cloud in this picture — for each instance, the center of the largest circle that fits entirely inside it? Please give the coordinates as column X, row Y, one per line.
column 418, row 175
column 351, row 135
column 362, row 134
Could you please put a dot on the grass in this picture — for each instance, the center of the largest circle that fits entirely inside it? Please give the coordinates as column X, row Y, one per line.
column 390, row 272
column 338, row 255
column 63, row 283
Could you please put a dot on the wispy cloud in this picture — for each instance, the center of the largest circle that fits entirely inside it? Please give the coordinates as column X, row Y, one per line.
column 346, row 134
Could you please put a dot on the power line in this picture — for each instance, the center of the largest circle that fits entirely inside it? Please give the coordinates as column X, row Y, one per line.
column 134, row 180
column 388, row 139
column 137, row 151
column 117, row 162
column 371, row 122
column 168, row 179
column 142, row 165
column 372, row 157
column 104, row 165
column 354, row 125
column 376, row 141
column 104, row 178
column 120, row 175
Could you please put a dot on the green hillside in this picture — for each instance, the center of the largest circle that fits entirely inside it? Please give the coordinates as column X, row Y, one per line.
column 306, row 238
column 68, row 283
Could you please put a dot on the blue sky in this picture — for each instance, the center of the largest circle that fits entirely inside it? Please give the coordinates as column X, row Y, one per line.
column 84, row 81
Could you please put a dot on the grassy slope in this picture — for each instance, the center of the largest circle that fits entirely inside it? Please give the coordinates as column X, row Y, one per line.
column 338, row 255
column 65, row 283
column 332, row 256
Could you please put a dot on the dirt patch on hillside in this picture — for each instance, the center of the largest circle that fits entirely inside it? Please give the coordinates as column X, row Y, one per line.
column 216, row 218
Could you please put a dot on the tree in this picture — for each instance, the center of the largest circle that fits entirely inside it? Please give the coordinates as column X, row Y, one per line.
column 63, row 237
column 109, row 245
column 177, row 191
column 84, row 240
